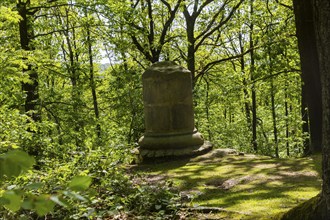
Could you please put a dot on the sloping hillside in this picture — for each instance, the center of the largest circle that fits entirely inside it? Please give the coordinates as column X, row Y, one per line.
column 226, row 185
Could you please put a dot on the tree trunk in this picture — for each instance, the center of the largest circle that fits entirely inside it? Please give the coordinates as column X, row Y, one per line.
column 72, row 67
column 305, row 125
column 207, row 109
column 318, row 208
column 310, row 70
column 322, row 27
column 247, row 104
column 92, row 84
column 287, row 133
column 272, row 96
column 253, row 92
column 190, row 22
column 30, row 88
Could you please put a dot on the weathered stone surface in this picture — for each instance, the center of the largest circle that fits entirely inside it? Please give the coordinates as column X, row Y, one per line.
column 169, row 115
column 174, row 153
column 171, row 140
column 167, row 95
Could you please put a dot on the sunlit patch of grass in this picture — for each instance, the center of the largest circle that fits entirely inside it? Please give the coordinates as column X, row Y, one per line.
column 260, row 187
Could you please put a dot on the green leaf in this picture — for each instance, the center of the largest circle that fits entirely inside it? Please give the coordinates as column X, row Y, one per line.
column 27, row 203
column 14, row 200
column 21, row 158
column 59, row 201
column 4, row 201
column 14, row 162
column 80, row 183
column 34, row 186
column 74, row 195
column 44, row 205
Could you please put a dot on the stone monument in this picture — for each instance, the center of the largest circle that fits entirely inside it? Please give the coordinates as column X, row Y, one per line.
column 169, row 115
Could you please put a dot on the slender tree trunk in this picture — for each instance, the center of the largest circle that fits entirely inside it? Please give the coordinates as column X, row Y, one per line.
column 74, row 77
column 286, row 117
column 190, row 22
column 92, row 84
column 130, row 135
column 272, row 96
column 247, row 104
column 253, row 92
column 305, row 126
column 254, row 118
column 207, row 109
column 310, row 71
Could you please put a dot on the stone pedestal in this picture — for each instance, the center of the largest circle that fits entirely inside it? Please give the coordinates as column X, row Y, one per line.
column 169, row 115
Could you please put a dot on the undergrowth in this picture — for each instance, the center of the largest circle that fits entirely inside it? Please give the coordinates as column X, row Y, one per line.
column 97, row 184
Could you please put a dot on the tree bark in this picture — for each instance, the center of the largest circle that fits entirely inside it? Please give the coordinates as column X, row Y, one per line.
column 319, row 207
column 247, row 104
column 190, row 29
column 207, row 109
column 286, row 97
column 253, row 92
column 322, row 30
column 310, row 71
column 93, row 84
column 272, row 96
column 305, row 119
column 29, row 88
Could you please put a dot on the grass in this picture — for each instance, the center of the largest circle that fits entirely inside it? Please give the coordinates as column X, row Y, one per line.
column 247, row 187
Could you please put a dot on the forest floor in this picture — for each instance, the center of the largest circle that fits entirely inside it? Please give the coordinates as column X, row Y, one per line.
column 226, row 185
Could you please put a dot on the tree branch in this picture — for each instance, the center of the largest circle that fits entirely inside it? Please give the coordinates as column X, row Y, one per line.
column 284, row 5
column 168, row 23
column 141, row 49
column 213, row 63
column 223, row 21
column 276, row 74
column 211, row 22
column 151, row 35
column 167, row 4
column 196, row 13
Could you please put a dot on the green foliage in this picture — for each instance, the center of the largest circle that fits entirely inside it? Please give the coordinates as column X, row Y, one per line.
column 92, row 109
column 13, row 163
column 11, row 200
column 42, row 204
column 80, row 183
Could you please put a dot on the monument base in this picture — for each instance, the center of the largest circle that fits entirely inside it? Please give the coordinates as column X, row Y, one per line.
column 161, row 141
column 172, row 153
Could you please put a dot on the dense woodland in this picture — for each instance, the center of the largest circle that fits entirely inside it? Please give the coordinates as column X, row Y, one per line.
column 71, row 93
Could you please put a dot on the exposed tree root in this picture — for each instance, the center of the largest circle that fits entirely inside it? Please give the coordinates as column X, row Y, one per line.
column 313, row 209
